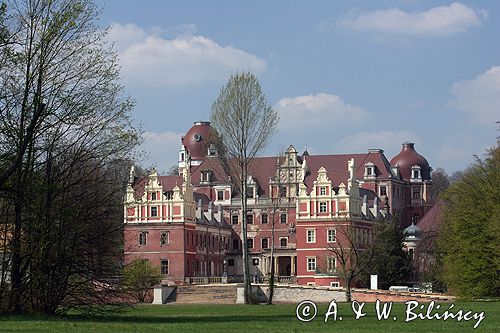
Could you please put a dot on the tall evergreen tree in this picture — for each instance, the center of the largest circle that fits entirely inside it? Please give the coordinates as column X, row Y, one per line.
column 390, row 261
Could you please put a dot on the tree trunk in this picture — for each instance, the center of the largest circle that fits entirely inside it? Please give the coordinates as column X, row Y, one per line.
column 244, row 245
column 271, row 278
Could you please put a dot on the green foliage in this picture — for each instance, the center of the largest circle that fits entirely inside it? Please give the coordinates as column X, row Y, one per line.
column 139, row 276
column 389, row 261
column 470, row 238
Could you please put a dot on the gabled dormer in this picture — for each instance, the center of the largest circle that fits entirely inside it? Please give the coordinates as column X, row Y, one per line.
column 370, row 170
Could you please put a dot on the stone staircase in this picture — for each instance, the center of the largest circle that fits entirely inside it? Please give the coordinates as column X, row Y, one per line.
column 206, row 294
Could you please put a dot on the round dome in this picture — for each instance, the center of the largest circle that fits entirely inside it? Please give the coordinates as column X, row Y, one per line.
column 413, row 232
column 407, row 158
column 196, row 140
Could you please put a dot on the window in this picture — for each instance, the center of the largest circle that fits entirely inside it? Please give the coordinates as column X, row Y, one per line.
column 264, row 243
column 250, row 193
column 332, row 235
column 383, row 190
column 234, row 219
column 230, row 262
column 264, row 218
column 283, row 242
column 143, row 238
column 311, row 264
column 322, row 207
column 220, row 195
column 255, row 261
column 206, row 176
column 311, row 236
column 334, row 284
column 154, row 211
column 282, row 191
column 164, row 267
column 236, row 244
column 250, row 243
column 169, row 195
column 331, row 264
column 322, row 191
column 164, row 238
column 416, row 218
column 153, row 196
column 283, row 218
column 249, row 219
column 416, row 173
column 416, row 193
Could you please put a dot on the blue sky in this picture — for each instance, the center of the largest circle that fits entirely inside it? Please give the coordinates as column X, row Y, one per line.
column 345, row 76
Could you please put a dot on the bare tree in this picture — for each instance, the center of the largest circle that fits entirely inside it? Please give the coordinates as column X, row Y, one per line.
column 244, row 123
column 440, row 182
column 352, row 252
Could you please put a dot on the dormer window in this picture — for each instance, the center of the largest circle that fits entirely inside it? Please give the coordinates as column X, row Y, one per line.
column 369, row 170
column 322, row 190
column 416, row 173
column 206, row 176
column 250, row 192
column 153, row 196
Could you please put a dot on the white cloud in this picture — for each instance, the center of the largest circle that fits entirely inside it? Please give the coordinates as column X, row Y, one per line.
column 162, row 148
column 479, row 97
column 437, row 21
column 149, row 59
column 318, row 111
column 389, row 141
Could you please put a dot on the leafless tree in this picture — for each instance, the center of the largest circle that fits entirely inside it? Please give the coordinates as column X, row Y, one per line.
column 352, row 252
column 244, row 123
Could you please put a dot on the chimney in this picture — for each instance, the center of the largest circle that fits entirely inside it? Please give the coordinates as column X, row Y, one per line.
column 375, row 207
column 198, row 210
column 219, row 213
column 364, row 207
column 210, row 211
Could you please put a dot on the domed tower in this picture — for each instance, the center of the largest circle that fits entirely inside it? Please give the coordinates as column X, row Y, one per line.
column 412, row 165
column 414, row 174
column 195, row 144
column 413, row 235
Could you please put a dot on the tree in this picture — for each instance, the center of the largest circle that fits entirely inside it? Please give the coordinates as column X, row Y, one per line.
column 352, row 253
column 389, row 261
column 138, row 278
column 440, row 182
column 470, row 236
column 63, row 123
column 244, row 123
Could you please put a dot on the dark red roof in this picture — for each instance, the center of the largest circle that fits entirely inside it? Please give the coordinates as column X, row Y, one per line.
column 407, row 158
column 431, row 221
column 336, row 166
column 264, row 168
column 261, row 169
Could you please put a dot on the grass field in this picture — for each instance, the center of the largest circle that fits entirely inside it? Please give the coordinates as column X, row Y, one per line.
column 250, row 318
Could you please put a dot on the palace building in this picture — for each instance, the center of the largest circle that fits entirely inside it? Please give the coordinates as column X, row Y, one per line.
column 190, row 225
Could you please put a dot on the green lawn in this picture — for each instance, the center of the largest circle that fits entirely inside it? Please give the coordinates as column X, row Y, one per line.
column 249, row 318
